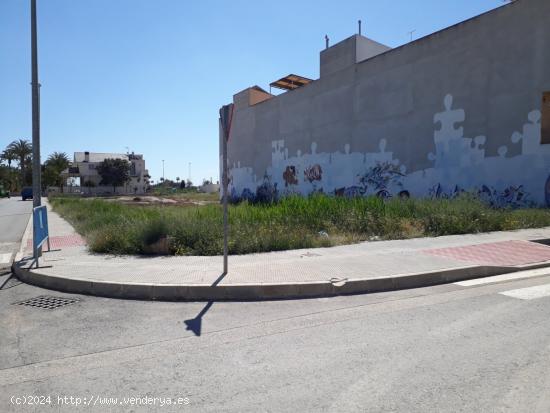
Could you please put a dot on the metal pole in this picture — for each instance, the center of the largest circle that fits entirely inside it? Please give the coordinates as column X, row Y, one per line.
column 225, row 185
column 163, row 172
column 36, row 172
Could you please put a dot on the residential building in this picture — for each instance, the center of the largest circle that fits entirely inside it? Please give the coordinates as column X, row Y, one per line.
column 463, row 109
column 83, row 170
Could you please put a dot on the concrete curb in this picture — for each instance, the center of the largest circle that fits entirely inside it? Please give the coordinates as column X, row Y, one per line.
column 251, row 292
column 25, row 238
column 16, row 256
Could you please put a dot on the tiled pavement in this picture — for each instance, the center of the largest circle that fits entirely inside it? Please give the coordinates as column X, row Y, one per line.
column 504, row 253
column 63, row 241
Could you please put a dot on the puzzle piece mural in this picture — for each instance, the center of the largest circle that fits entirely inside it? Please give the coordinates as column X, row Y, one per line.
column 459, row 165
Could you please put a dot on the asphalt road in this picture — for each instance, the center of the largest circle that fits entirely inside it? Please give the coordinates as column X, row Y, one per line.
column 14, row 216
column 450, row 348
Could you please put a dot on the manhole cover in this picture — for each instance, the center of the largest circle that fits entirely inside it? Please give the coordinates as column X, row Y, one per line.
column 48, row 302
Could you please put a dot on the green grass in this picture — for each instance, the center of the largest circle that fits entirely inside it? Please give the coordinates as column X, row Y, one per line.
column 291, row 223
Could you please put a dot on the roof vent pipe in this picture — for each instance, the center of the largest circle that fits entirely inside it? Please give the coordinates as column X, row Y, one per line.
column 326, row 41
column 359, row 21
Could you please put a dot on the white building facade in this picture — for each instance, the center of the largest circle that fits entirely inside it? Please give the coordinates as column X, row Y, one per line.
column 84, row 173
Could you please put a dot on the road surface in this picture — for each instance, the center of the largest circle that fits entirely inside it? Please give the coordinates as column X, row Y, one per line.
column 477, row 346
column 14, row 216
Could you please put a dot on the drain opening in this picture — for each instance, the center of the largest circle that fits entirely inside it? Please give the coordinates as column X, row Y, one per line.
column 48, row 302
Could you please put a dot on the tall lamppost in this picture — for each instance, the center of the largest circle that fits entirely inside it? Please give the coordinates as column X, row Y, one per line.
column 36, row 185
column 226, row 118
column 163, row 171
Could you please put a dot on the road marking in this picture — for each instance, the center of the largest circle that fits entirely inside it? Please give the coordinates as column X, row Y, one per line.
column 505, row 277
column 529, row 293
column 5, row 259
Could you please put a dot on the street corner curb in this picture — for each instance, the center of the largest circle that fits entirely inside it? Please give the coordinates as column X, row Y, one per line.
column 17, row 256
column 24, row 240
column 255, row 292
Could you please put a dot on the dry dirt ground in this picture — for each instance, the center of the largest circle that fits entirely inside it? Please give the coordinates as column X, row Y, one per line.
column 148, row 200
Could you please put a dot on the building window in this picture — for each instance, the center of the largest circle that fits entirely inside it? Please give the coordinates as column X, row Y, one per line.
column 545, row 123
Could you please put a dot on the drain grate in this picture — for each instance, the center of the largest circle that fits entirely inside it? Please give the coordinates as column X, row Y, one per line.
column 48, row 302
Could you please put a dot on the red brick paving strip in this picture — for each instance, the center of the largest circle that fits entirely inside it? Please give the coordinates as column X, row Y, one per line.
column 63, row 242
column 506, row 253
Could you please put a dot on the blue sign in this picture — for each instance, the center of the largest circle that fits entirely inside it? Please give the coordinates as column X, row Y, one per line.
column 40, row 229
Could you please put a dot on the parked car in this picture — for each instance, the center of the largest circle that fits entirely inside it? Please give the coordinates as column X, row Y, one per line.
column 26, row 193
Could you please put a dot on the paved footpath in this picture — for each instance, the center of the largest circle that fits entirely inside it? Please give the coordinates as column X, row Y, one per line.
column 359, row 268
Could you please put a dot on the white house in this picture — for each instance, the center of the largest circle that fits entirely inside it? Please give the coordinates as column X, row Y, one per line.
column 84, row 170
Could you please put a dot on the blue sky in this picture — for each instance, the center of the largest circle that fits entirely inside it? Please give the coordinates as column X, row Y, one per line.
column 151, row 74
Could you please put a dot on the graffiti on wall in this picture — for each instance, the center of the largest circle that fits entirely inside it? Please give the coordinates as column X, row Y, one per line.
column 459, row 164
column 313, row 173
column 378, row 179
column 513, row 196
column 289, row 176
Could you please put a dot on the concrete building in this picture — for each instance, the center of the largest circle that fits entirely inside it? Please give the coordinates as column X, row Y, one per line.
column 88, row 180
column 463, row 109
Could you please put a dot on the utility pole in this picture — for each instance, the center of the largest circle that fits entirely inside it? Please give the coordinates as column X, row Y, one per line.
column 226, row 118
column 36, row 169
column 189, row 175
column 163, row 172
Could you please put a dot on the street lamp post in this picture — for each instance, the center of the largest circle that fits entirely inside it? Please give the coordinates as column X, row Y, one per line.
column 36, row 185
column 163, row 171
column 226, row 118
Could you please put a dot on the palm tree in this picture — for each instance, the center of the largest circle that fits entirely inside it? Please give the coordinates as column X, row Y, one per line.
column 57, row 162
column 8, row 156
column 22, row 151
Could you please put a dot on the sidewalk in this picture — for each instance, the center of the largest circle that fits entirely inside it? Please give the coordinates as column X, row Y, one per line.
column 359, row 268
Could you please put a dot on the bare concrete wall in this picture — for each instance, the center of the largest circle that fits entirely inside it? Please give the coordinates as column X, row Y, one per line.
column 457, row 110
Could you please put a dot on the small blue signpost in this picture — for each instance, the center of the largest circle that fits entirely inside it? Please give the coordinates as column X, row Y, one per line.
column 40, row 232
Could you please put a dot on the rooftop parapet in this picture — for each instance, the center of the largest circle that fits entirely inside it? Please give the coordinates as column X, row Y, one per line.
column 348, row 52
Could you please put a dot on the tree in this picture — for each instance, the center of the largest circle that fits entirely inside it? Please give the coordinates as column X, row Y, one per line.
column 48, row 177
column 115, row 172
column 57, row 162
column 8, row 156
column 89, row 184
column 22, row 151
column 7, row 177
